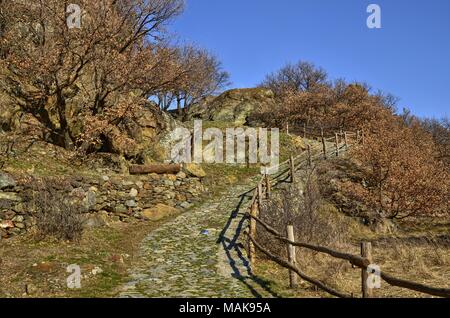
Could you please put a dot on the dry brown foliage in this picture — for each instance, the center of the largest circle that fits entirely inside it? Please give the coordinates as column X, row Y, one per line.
column 403, row 178
column 79, row 83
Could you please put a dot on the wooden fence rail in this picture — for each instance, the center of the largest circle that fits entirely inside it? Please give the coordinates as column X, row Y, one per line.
column 342, row 142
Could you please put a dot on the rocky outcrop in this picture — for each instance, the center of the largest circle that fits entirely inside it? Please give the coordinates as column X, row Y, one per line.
column 136, row 136
column 234, row 105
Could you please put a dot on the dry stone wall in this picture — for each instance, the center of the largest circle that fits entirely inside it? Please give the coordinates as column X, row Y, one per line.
column 101, row 198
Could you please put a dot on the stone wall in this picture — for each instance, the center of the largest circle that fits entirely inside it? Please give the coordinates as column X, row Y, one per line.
column 102, row 199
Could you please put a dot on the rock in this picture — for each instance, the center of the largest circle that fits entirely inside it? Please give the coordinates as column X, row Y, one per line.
column 9, row 215
column 158, row 212
column 94, row 221
column 19, row 225
column 172, row 177
column 10, row 196
column 194, row 170
column 235, row 105
column 133, row 193
column 168, row 183
column 78, row 193
column 186, row 205
column 7, row 224
column 19, row 208
column 6, row 181
column 158, row 190
column 18, row 219
column 105, row 178
column 90, row 200
column 131, row 203
column 170, row 195
column 140, row 184
column 120, row 209
column 181, row 175
column 126, row 183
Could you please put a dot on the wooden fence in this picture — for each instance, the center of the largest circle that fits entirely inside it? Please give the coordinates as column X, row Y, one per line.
column 342, row 141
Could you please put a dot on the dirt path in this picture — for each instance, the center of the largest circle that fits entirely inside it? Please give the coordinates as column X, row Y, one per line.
column 199, row 254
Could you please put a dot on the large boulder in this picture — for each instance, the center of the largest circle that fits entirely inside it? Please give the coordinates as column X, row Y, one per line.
column 235, row 105
column 158, row 212
column 194, row 170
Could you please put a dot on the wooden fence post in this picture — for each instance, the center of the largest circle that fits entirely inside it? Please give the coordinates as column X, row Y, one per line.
column 287, row 128
column 366, row 252
column 346, row 140
column 324, row 145
column 337, row 144
column 292, row 165
column 309, row 156
column 192, row 147
column 252, row 250
column 247, row 153
column 260, row 194
column 292, row 256
column 268, row 188
column 304, row 130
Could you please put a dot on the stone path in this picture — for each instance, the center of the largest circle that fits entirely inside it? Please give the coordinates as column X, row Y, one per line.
column 199, row 254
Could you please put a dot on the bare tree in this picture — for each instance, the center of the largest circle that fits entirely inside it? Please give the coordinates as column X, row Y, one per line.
column 302, row 76
column 205, row 77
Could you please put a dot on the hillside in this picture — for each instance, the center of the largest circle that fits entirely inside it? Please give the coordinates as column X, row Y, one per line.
column 117, row 204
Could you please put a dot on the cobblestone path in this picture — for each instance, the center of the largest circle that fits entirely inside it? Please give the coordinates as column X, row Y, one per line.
column 199, row 254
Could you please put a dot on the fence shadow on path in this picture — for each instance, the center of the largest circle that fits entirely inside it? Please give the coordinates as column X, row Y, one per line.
column 236, row 253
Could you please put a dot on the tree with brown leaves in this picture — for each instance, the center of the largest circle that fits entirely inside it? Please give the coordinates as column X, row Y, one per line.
column 403, row 177
column 80, row 83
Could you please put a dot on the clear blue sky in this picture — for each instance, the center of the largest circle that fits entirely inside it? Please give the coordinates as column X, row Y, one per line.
column 409, row 57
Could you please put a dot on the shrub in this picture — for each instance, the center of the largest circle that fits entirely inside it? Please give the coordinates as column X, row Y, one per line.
column 299, row 206
column 56, row 215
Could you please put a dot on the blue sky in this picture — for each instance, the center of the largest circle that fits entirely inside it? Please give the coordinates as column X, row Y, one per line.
column 409, row 57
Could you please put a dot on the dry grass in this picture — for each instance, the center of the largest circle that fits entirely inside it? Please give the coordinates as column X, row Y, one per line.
column 25, row 261
column 418, row 250
column 420, row 260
